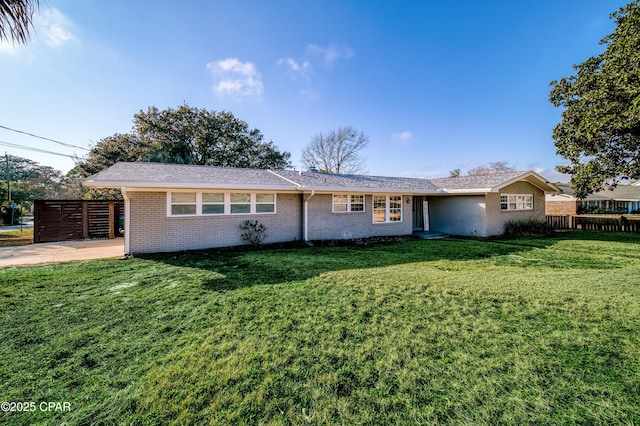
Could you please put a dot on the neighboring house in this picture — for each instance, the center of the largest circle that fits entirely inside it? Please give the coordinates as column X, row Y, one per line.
column 170, row 207
column 622, row 198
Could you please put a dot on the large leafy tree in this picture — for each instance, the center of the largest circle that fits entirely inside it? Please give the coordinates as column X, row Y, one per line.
column 30, row 180
column 336, row 151
column 184, row 135
column 600, row 129
column 16, row 19
column 188, row 135
column 492, row 168
column 110, row 150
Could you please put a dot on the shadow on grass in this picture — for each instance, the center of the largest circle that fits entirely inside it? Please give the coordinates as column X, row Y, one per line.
column 244, row 267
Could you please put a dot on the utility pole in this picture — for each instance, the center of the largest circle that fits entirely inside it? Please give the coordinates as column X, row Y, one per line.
column 11, row 205
column 6, row 157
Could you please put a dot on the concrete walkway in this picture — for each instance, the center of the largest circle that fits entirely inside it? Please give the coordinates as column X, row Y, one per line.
column 62, row 251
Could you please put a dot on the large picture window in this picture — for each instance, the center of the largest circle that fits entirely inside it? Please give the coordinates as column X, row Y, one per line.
column 219, row 203
column 343, row 203
column 509, row 202
column 387, row 208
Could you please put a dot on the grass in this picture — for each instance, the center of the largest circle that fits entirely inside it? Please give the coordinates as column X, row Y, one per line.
column 526, row 331
column 16, row 238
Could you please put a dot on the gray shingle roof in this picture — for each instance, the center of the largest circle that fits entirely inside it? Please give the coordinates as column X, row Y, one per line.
column 159, row 175
column 181, row 175
column 328, row 181
column 476, row 181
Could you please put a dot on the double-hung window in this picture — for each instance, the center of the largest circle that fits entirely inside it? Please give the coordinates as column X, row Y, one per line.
column 348, row 203
column 387, row 208
column 511, row 202
column 183, row 203
column 265, row 203
column 213, row 203
column 240, row 202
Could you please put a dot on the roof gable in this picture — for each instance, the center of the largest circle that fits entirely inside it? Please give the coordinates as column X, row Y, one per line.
column 492, row 183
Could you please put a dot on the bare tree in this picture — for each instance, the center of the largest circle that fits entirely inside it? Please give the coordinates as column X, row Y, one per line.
column 492, row 168
column 337, row 151
column 16, row 19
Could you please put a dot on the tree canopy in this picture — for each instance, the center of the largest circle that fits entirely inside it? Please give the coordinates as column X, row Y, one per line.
column 492, row 168
column 16, row 19
column 30, row 181
column 186, row 135
column 600, row 129
column 189, row 135
column 337, row 151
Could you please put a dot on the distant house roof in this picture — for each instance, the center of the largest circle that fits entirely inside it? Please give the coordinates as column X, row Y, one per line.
column 179, row 176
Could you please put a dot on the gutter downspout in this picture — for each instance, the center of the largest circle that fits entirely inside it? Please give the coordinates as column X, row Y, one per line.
column 127, row 221
column 305, row 217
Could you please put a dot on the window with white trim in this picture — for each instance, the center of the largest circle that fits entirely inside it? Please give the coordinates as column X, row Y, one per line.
column 183, row 203
column 240, row 202
column 265, row 203
column 219, row 203
column 387, row 208
column 348, row 203
column 213, row 203
column 512, row 202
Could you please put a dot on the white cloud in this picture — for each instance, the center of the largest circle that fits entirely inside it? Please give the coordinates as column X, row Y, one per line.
column 305, row 69
column 296, row 69
column 329, row 55
column 53, row 27
column 235, row 79
column 403, row 136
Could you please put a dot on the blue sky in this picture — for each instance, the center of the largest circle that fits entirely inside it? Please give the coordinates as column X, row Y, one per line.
column 436, row 85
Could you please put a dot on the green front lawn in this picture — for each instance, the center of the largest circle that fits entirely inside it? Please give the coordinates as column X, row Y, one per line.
column 530, row 331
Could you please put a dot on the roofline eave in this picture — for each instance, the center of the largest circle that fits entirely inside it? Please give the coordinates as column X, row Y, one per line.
column 140, row 186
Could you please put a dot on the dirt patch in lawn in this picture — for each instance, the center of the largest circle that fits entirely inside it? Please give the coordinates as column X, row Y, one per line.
column 15, row 240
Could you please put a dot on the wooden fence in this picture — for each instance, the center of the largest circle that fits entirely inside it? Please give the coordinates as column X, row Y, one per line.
column 60, row 220
column 603, row 222
column 558, row 221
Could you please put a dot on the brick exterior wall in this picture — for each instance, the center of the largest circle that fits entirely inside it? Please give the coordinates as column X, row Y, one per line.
column 497, row 219
column 458, row 215
column 561, row 207
column 325, row 225
column 480, row 215
column 151, row 231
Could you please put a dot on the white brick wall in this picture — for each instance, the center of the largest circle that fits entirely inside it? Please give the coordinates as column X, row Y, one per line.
column 152, row 231
column 325, row 225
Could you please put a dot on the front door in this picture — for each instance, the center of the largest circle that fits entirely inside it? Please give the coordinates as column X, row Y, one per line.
column 420, row 214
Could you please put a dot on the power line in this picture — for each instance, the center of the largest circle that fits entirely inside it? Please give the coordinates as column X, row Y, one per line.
column 46, row 139
column 28, row 148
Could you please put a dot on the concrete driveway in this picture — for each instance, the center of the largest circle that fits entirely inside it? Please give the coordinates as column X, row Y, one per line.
column 62, row 251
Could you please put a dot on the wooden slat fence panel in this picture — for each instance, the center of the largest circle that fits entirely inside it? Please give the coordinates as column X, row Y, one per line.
column 559, row 221
column 58, row 220
column 71, row 224
column 98, row 220
column 617, row 223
